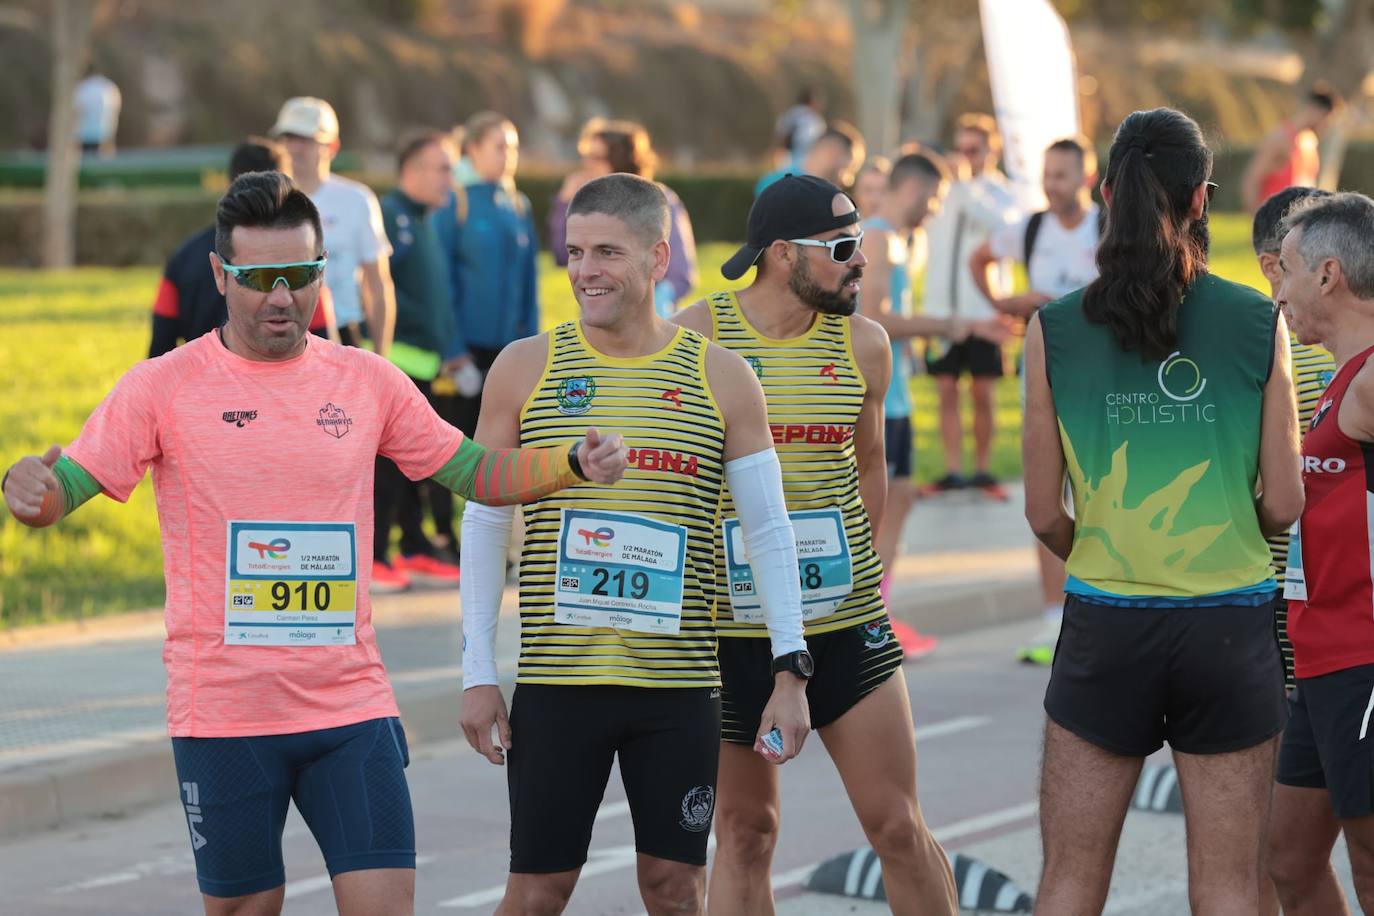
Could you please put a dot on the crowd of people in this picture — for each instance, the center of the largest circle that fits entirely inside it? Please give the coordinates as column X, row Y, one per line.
column 1205, row 565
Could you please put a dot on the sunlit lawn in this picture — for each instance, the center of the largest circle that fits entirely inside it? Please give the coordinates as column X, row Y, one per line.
column 65, row 338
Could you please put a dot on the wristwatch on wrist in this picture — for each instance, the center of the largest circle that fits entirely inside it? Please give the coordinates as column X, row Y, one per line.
column 573, row 461
column 799, row 663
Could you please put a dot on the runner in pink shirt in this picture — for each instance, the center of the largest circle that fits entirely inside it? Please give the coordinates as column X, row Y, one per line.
column 261, row 439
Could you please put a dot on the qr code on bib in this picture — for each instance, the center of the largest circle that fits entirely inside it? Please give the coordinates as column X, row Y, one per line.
column 570, row 582
column 243, row 601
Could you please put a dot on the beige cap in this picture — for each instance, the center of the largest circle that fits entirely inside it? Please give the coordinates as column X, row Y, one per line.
column 307, row 116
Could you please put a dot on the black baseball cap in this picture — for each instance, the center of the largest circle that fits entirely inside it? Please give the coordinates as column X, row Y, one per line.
column 793, row 207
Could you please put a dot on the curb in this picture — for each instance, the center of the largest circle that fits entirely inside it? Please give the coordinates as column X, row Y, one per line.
column 115, row 783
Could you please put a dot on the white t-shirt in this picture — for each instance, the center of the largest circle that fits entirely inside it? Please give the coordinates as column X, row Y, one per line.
column 353, row 235
column 1062, row 261
column 97, row 101
column 974, row 210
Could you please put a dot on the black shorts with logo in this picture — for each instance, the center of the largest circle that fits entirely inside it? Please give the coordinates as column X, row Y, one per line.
column 564, row 740
column 1328, row 743
column 1209, row 680
column 974, row 356
column 850, row 664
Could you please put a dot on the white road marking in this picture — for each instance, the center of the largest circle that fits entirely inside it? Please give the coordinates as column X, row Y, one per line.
column 950, row 727
column 614, row 809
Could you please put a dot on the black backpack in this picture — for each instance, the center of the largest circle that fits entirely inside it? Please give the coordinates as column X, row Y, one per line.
column 1033, row 230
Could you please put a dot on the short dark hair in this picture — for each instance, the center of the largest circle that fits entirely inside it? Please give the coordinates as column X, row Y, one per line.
column 263, row 200
column 918, row 162
column 1324, row 97
column 637, row 202
column 1338, row 226
column 843, row 133
column 1266, row 232
column 413, row 142
column 1087, row 156
column 258, row 154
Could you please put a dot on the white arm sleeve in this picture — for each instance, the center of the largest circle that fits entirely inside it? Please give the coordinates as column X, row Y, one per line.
column 756, row 485
column 482, row 553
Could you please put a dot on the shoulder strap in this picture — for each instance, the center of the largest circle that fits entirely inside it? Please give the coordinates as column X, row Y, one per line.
column 1032, row 230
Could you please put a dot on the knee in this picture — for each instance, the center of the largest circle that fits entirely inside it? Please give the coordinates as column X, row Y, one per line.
column 1291, row 867
column 535, row 898
column 674, row 888
column 897, row 834
column 747, row 834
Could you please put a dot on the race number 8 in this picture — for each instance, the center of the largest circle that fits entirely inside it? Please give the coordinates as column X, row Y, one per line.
column 639, row 583
column 281, row 596
column 811, row 576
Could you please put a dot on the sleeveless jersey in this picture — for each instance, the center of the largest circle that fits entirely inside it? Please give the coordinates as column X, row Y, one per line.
column 897, row 404
column 815, row 391
column 1334, row 628
column 663, row 406
column 1163, row 455
column 1301, row 167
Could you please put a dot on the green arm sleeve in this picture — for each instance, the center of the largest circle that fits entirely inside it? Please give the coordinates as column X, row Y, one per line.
column 506, row 476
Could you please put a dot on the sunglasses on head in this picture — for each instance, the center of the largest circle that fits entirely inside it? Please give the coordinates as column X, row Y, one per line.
column 842, row 249
column 264, row 277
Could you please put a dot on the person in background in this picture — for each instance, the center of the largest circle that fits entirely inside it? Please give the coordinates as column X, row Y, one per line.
column 835, row 156
column 188, row 302
column 424, row 330
column 801, row 126
column 487, row 234
column 870, row 185
column 1058, row 248
column 595, row 163
column 624, row 146
column 1289, row 154
column 97, row 100
column 353, row 233
column 977, row 207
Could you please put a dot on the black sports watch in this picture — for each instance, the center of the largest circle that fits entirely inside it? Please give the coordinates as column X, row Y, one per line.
column 799, row 663
column 574, row 462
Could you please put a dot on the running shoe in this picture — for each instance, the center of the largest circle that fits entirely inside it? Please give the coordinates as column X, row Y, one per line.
column 424, row 568
column 989, row 487
column 387, row 579
column 947, row 484
column 914, row 643
column 1040, row 649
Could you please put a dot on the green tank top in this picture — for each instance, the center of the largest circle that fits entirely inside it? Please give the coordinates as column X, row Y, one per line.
column 1163, row 456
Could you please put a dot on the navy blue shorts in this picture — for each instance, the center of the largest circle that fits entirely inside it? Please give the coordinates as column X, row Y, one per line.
column 348, row 783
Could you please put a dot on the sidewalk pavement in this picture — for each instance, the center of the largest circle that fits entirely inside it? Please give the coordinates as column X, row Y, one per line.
column 82, row 715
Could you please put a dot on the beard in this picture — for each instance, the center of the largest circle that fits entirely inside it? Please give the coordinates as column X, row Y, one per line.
column 818, row 298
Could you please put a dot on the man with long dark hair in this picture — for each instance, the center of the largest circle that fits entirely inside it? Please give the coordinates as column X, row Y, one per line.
column 1165, row 395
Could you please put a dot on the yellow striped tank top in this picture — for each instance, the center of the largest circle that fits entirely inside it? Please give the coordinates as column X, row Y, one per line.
column 663, row 406
column 815, row 391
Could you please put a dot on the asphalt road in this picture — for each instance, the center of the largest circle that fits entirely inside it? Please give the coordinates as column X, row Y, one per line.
column 978, row 720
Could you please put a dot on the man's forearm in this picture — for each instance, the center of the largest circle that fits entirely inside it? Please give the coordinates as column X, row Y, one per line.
column 75, row 487
column 507, row 476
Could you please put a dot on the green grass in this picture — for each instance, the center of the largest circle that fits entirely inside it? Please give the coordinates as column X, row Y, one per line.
column 69, row 336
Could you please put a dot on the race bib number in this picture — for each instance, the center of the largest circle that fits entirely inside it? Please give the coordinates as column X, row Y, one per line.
column 823, row 559
column 291, row 584
column 1294, row 581
column 617, row 569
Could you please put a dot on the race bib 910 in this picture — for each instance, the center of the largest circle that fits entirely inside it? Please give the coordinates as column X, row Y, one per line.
column 291, row 584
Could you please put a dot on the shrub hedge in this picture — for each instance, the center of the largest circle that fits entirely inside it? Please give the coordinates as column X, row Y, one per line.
column 131, row 223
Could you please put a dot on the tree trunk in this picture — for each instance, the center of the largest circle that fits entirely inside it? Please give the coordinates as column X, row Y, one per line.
column 71, row 35
column 879, row 27
column 1343, row 56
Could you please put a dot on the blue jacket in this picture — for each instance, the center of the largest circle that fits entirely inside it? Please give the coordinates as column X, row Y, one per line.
column 491, row 258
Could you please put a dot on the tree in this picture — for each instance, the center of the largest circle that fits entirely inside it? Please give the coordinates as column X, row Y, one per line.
column 879, row 29
column 72, row 21
column 1344, row 57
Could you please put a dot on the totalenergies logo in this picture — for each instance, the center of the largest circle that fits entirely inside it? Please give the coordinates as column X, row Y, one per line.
column 272, row 550
column 601, row 537
column 1180, row 378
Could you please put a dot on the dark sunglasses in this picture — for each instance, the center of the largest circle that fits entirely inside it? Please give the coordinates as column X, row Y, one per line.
column 842, row 249
column 1211, row 191
column 264, row 277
